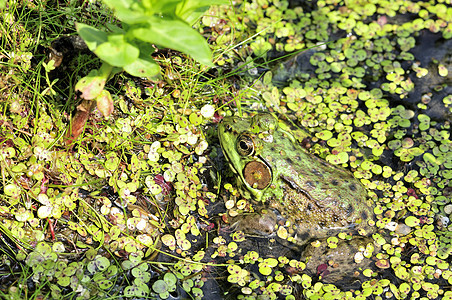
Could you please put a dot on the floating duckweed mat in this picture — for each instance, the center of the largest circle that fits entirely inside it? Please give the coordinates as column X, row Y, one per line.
column 139, row 206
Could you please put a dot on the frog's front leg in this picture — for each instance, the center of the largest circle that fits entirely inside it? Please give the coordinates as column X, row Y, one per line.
column 343, row 264
column 260, row 224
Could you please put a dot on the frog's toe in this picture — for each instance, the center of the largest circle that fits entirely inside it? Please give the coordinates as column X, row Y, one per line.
column 260, row 224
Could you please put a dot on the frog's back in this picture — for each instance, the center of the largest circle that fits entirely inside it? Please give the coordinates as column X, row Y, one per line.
column 318, row 198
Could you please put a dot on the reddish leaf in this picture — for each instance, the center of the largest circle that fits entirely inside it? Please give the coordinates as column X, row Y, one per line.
column 79, row 120
column 105, row 103
column 91, row 86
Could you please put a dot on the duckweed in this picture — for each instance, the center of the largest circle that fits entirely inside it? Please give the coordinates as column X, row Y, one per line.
column 354, row 95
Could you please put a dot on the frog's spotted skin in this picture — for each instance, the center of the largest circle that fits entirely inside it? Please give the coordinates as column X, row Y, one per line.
column 315, row 198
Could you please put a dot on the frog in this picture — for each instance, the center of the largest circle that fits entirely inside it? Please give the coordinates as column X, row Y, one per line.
column 300, row 195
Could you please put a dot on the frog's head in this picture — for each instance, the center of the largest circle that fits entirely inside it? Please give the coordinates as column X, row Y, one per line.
column 242, row 142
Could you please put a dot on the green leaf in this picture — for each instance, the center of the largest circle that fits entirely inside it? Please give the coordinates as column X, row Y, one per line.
column 105, row 284
column 143, row 67
column 264, row 270
column 132, row 291
column 127, row 265
column 160, row 286
column 177, row 35
column 91, row 253
column 102, row 263
column 50, row 66
column 131, row 12
column 43, row 248
column 115, row 29
column 412, row 221
column 93, row 37
column 272, row 262
column 164, row 7
column 11, row 190
column 170, row 279
column 64, row 281
column 117, row 52
column 191, row 10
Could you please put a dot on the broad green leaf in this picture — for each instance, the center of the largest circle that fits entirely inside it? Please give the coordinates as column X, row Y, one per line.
column 115, row 29
column 164, row 7
column 177, row 35
column 191, row 10
column 117, row 52
column 93, row 37
column 146, row 49
column 129, row 11
column 143, row 68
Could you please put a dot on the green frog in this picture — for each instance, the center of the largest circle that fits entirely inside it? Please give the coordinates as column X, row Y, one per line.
column 303, row 198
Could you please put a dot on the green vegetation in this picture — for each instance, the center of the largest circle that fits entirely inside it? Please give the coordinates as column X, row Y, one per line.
column 137, row 205
column 129, row 47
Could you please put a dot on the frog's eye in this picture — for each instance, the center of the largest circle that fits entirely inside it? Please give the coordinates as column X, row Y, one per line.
column 245, row 145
